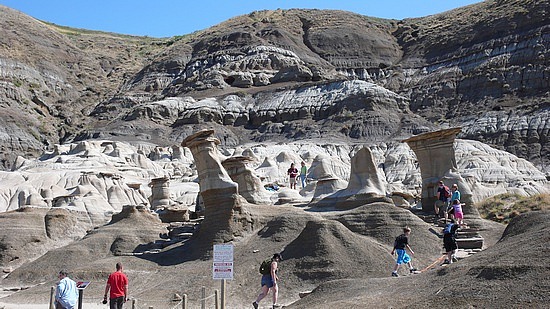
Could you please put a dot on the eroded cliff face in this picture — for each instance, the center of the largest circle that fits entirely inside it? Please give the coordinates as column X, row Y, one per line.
column 285, row 75
column 486, row 71
column 51, row 78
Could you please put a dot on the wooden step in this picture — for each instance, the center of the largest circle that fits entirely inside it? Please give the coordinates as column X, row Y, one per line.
column 470, row 243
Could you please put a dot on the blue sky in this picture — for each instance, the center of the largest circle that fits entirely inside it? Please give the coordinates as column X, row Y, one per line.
column 166, row 18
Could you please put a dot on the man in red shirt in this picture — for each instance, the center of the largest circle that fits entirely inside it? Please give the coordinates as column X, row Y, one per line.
column 118, row 285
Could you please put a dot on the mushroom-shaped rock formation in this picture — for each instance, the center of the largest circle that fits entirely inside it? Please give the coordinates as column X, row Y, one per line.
column 366, row 185
column 250, row 185
column 224, row 215
column 436, row 159
column 160, row 189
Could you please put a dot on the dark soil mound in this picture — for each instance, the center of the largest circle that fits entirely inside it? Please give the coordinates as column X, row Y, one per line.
column 512, row 273
column 383, row 222
column 127, row 231
column 327, row 250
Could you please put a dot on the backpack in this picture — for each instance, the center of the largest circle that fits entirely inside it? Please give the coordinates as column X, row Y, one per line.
column 447, row 192
column 265, row 267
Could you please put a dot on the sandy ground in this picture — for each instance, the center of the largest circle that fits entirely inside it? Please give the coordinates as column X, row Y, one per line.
column 3, row 305
column 45, row 306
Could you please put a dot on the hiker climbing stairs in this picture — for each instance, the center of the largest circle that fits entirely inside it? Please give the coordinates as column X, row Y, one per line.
column 467, row 237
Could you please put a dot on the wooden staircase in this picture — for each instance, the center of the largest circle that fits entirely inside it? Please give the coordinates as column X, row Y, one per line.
column 467, row 238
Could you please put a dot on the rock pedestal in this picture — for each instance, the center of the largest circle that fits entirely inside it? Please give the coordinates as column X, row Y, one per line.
column 250, row 185
column 160, row 189
column 436, row 159
column 224, row 217
column 365, row 185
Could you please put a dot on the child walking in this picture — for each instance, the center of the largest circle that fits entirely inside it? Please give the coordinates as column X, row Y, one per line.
column 449, row 241
column 457, row 212
column 399, row 245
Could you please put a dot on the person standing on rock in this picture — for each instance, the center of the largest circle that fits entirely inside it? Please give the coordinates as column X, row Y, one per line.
column 66, row 293
column 399, row 245
column 457, row 212
column 292, row 173
column 303, row 173
column 443, row 195
column 117, row 285
column 269, row 281
column 455, row 195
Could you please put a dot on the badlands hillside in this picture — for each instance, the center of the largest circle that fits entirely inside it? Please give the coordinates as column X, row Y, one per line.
column 148, row 151
column 283, row 75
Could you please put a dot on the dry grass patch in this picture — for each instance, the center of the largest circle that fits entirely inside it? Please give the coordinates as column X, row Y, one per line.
column 502, row 208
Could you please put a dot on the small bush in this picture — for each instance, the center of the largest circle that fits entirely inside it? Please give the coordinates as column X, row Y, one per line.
column 17, row 82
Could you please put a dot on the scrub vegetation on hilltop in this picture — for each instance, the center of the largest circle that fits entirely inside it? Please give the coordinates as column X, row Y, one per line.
column 502, row 208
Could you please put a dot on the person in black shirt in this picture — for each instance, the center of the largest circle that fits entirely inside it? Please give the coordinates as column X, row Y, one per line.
column 402, row 242
column 449, row 240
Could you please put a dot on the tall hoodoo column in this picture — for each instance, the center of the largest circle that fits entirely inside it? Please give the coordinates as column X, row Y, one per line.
column 224, row 217
column 436, row 159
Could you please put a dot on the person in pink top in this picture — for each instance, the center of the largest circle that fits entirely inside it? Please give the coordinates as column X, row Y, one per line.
column 457, row 212
column 117, row 284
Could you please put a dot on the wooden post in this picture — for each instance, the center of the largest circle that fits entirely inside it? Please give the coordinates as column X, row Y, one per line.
column 52, row 297
column 217, row 299
column 134, row 304
column 203, row 298
column 222, row 300
column 184, row 302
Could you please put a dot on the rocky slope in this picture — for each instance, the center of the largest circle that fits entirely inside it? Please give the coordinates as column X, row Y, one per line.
column 483, row 67
column 499, row 277
column 284, row 75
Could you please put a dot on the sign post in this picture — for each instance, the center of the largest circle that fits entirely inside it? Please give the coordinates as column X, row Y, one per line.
column 81, row 285
column 222, row 267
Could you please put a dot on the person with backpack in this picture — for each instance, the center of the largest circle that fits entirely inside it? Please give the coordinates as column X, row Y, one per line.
column 268, row 269
column 443, row 196
column 401, row 242
column 449, row 240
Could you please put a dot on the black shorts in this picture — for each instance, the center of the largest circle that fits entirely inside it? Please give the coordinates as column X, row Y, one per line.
column 449, row 243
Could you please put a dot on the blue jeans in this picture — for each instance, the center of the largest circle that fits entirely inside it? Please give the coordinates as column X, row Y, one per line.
column 303, row 179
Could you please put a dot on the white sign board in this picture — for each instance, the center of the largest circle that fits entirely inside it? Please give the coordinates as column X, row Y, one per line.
column 222, row 266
